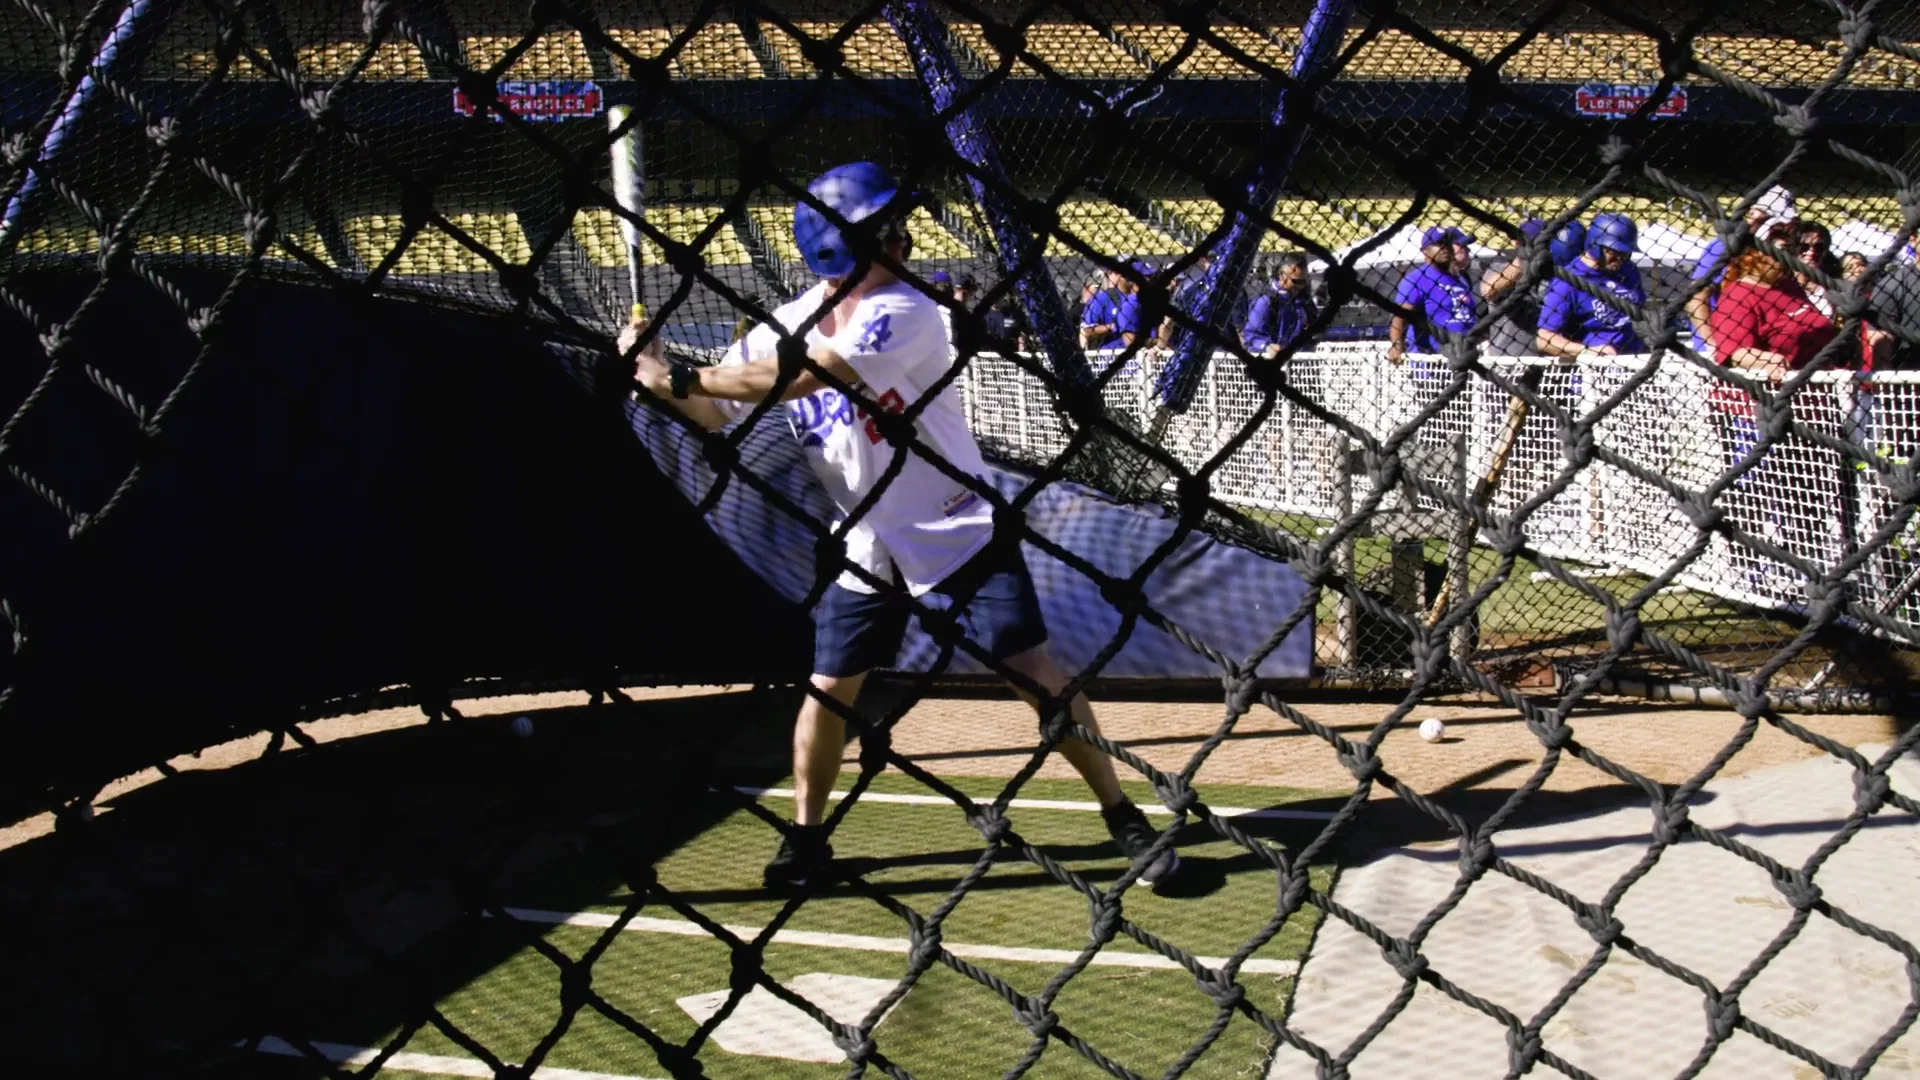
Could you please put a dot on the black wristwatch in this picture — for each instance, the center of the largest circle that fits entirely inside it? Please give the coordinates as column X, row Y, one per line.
column 680, row 378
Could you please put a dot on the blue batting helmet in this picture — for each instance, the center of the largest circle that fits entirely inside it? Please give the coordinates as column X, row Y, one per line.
column 1568, row 243
column 1614, row 231
column 855, row 192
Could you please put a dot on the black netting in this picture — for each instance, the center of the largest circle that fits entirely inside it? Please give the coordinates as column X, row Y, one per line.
column 310, row 404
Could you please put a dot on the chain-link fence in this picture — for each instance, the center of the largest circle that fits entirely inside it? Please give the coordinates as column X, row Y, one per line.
column 1285, row 278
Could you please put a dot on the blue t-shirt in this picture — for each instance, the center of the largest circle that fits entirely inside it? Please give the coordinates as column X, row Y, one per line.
column 1277, row 318
column 1589, row 320
column 1101, row 310
column 1704, row 269
column 1446, row 300
column 1127, row 319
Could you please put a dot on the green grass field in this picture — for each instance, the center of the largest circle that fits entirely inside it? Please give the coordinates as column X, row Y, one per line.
column 949, row 1025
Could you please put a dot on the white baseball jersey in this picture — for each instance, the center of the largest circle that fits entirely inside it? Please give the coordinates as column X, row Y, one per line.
column 924, row 524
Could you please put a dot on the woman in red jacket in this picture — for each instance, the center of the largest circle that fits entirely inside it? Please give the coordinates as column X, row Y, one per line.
column 1766, row 325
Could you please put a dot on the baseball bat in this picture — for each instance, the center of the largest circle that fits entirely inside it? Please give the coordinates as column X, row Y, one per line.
column 629, row 190
column 1489, row 481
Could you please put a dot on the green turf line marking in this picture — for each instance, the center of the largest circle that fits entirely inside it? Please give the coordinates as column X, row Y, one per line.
column 864, row 943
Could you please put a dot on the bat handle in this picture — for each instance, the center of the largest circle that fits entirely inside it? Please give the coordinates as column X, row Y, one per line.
column 639, row 315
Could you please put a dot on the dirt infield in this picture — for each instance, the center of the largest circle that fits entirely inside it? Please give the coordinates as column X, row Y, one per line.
column 1486, row 746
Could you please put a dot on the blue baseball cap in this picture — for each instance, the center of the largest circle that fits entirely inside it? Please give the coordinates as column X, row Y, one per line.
column 1143, row 268
column 1531, row 228
column 940, row 277
column 1445, row 234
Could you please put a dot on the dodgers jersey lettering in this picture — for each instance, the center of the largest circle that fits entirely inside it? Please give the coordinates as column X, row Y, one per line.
column 924, row 524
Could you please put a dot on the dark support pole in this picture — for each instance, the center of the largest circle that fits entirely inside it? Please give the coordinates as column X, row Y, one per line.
column 1108, row 463
column 1320, row 41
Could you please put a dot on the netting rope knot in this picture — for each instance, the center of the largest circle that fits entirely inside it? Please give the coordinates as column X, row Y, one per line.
column 1523, row 1047
column 1552, row 733
column 16, row 149
column 1615, row 151
column 746, row 970
column 1723, row 1014
column 1670, row 823
column 1103, row 917
column 162, row 132
column 317, row 103
column 1870, row 791
column 375, row 16
column 923, row 944
column 1599, row 924
column 1509, row 538
column 855, row 1043
column 1798, row 121
column 1704, row 514
column 992, row 825
column 1623, row 628
column 1476, row 854
column 1225, row 992
column 1359, row 760
column 1036, row 1017
column 1404, row 958
column 1799, row 890
column 1176, row 794
column 1576, row 440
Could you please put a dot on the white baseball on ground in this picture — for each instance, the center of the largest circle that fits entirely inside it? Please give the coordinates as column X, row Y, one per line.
column 1432, row 729
column 522, row 726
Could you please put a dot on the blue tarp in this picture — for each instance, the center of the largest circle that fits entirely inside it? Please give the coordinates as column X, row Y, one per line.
column 1228, row 596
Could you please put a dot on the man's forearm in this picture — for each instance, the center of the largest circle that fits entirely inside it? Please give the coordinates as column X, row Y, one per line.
column 1550, row 343
column 755, row 380
column 1699, row 310
column 1397, row 331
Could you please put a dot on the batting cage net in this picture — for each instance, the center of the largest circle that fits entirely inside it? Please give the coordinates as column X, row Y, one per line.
column 1361, row 358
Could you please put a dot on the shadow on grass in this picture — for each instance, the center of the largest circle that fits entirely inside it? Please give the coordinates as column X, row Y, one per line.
column 341, row 888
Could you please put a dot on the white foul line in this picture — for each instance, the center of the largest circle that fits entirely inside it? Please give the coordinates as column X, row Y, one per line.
column 864, row 943
column 1154, row 809
column 438, row 1064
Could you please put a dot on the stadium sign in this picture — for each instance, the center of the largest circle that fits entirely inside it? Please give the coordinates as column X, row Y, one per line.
column 1617, row 101
column 547, row 99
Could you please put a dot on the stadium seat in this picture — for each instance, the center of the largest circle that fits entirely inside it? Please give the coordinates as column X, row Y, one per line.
column 599, row 233
column 1070, row 49
column 1109, row 230
column 873, row 51
column 557, row 54
column 434, row 251
column 1323, row 224
column 1394, row 55
column 932, row 240
column 717, row 50
column 393, row 60
column 1207, row 61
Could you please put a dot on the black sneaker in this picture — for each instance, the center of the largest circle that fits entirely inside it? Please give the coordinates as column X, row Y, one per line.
column 1133, row 836
column 803, row 855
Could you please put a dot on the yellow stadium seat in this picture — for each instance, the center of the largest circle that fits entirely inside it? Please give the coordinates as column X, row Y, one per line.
column 557, row 54
column 392, row 60
column 931, row 240
column 776, row 224
column 1394, row 55
column 598, row 232
column 1070, row 49
column 1207, row 61
column 873, row 50
column 1109, row 230
column 715, row 51
column 434, row 251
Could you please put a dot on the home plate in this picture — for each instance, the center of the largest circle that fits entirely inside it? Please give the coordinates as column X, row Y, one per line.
column 766, row 1026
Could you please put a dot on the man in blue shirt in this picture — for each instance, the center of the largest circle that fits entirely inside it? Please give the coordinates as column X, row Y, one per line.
column 1126, row 321
column 1098, row 318
column 1776, row 203
column 1438, row 294
column 1571, row 320
column 1280, row 314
